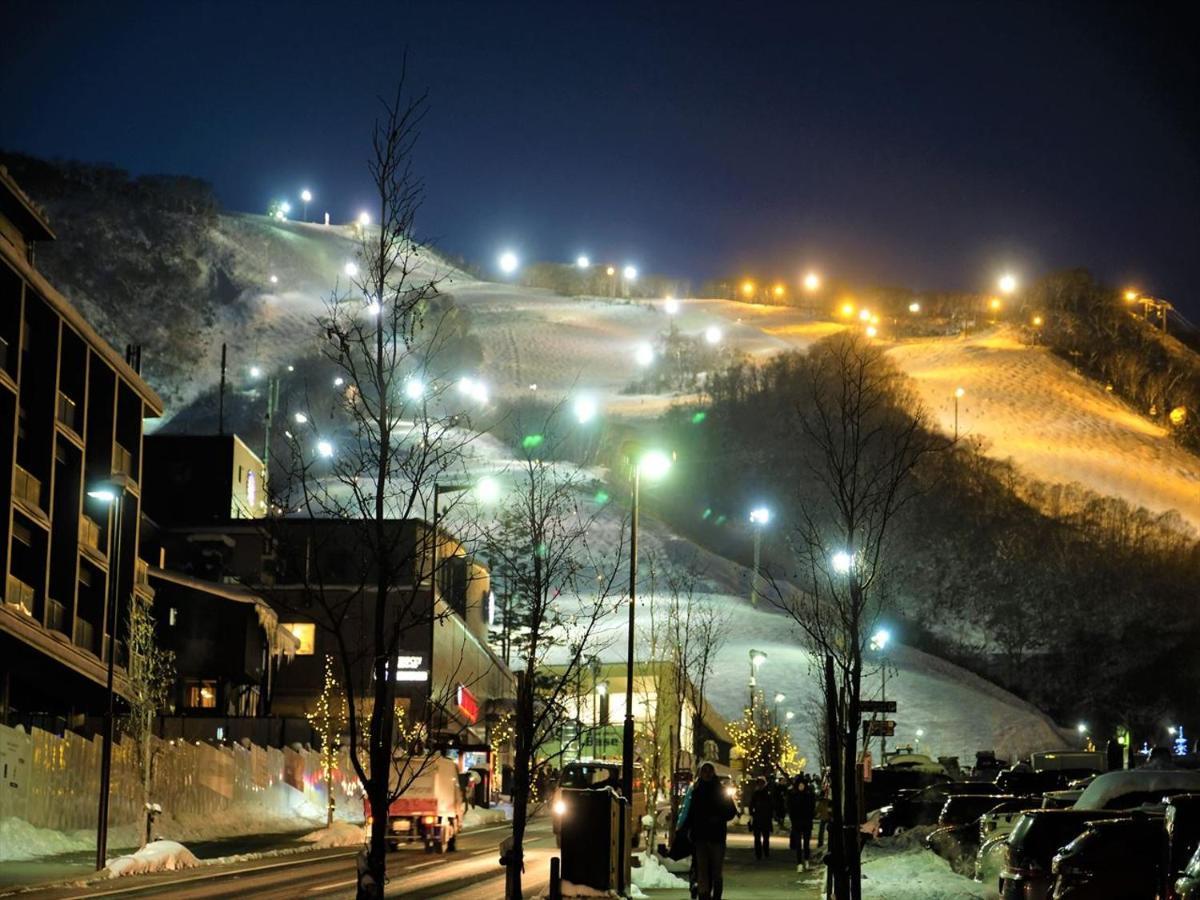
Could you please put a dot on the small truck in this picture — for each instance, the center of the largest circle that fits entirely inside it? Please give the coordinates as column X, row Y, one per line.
column 430, row 810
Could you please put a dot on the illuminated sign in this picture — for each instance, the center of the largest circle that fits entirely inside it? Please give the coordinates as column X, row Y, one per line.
column 408, row 668
column 467, row 704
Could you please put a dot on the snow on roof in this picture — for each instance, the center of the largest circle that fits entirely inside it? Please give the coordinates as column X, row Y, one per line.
column 1111, row 785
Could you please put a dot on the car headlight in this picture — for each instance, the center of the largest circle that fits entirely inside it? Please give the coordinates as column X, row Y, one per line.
column 560, row 807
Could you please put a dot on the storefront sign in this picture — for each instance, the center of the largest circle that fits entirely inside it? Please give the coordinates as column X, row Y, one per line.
column 467, row 704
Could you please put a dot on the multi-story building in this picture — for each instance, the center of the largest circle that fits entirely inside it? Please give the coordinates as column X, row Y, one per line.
column 71, row 413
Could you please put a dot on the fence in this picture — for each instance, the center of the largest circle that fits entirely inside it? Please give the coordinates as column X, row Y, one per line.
column 54, row 782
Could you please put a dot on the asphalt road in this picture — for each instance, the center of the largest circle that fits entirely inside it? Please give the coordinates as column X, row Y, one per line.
column 470, row 873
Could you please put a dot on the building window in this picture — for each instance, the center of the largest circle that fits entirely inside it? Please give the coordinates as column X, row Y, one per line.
column 200, row 695
column 251, row 490
column 173, row 615
column 306, row 634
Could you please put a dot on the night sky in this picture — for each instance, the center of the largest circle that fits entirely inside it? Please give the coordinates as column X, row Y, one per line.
column 929, row 145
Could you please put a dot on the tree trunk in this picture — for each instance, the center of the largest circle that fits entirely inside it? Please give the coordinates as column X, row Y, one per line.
column 522, row 773
column 835, row 831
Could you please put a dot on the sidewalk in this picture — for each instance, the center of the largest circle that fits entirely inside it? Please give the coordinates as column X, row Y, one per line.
column 746, row 877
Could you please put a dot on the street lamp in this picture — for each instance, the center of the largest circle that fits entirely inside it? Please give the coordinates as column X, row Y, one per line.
column 842, row 562
column 671, row 306
column 585, row 409
column 789, row 715
column 654, row 465
column 757, row 658
column 629, row 273
column 113, row 496
column 306, row 198
column 958, row 395
column 879, row 641
column 712, row 334
column 779, row 698
column 812, row 282
column 582, row 262
column 351, row 269
column 1007, row 283
column 759, row 517
column 914, row 307
column 325, row 449
column 364, row 219
column 644, row 354
column 508, row 262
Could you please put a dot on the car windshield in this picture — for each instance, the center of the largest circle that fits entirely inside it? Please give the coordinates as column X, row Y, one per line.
column 590, row 776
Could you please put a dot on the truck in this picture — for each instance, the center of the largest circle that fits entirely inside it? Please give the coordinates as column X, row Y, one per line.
column 430, row 810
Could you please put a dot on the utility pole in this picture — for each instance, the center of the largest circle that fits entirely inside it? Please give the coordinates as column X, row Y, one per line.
column 221, row 396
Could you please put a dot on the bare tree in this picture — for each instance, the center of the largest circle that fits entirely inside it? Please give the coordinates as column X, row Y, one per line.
column 560, row 589
column 864, row 435
column 373, row 580
column 151, row 674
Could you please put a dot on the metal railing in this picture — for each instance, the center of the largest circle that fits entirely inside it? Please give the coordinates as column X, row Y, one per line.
column 85, row 635
column 122, row 462
column 56, row 615
column 68, row 412
column 141, row 572
column 26, row 487
column 18, row 594
column 89, row 533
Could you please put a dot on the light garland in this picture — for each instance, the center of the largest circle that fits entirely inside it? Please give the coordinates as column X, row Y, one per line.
column 330, row 724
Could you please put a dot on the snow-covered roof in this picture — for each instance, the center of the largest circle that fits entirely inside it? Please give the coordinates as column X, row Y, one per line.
column 1111, row 785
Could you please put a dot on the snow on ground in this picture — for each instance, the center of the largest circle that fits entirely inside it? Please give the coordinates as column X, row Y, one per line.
column 1056, row 425
column 913, row 874
column 339, row 834
column 651, row 874
column 477, row 816
column 157, row 856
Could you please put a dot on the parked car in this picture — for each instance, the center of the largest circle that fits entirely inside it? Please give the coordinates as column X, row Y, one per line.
column 1119, row 859
column 1026, row 781
column 1036, row 837
column 1187, row 885
column 1131, row 788
column 1086, row 761
column 956, row 839
column 1063, row 799
column 598, row 775
column 908, row 774
column 923, row 807
column 1183, row 835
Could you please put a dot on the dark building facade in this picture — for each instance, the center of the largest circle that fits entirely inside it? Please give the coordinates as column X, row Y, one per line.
column 71, row 414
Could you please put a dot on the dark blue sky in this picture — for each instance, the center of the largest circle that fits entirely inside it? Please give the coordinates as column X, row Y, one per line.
column 929, row 145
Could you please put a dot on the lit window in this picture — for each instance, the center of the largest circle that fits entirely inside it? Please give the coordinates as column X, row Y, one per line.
column 306, row 634
column 200, row 695
column 251, row 489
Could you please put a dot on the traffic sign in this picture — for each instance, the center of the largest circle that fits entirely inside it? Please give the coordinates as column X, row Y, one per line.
column 877, row 706
column 879, row 728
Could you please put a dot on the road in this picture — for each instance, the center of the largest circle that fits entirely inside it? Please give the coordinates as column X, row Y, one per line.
column 471, row 873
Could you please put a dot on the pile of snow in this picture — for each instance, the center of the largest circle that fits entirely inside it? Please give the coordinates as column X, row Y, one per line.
column 1113, row 785
column 913, row 874
column 339, row 834
column 19, row 840
column 157, row 856
column 477, row 816
column 652, row 874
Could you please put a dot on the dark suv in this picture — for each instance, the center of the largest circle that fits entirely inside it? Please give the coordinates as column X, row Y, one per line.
column 924, row 806
column 1121, row 859
column 1037, row 836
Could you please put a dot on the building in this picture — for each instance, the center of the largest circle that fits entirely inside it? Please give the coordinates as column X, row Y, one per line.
column 214, row 477
column 71, row 414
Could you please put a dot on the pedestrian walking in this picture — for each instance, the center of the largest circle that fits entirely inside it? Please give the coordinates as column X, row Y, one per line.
column 802, row 807
column 779, row 791
column 824, row 810
column 707, row 812
column 762, row 810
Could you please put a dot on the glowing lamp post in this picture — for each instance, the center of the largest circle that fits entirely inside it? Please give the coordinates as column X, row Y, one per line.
column 508, row 262
column 653, row 465
column 306, row 198
column 582, row 262
column 757, row 658
column 879, row 641
column 812, row 282
column 758, row 518
column 1007, row 283
column 958, row 395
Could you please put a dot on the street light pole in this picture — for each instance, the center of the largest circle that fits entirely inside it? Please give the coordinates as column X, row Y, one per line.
column 958, row 392
column 758, row 518
column 114, row 497
column 627, row 737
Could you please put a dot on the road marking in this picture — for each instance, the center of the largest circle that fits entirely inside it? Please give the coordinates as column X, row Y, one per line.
column 424, row 865
column 331, row 886
column 483, row 852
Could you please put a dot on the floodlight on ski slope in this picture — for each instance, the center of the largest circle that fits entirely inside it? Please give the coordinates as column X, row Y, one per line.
column 843, row 562
column 812, row 282
column 582, row 261
column 880, row 639
column 585, row 409
column 671, row 306
column 306, row 195
column 1007, row 283
column 760, row 515
column 509, row 262
column 630, row 273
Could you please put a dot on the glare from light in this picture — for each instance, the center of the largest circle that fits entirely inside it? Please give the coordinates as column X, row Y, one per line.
column 324, row 449
column 279, row 216
column 757, row 658
column 255, row 372
column 583, row 262
column 414, row 389
column 1131, row 296
column 291, row 368
column 300, row 418
column 585, row 409
column 1037, row 320
column 847, row 309
column 1082, row 728
column 508, row 262
column 790, row 715
column 644, row 354
column 629, row 273
column 285, row 207
column 842, row 562
column 812, row 282
column 1171, row 730
column 958, row 392
column 671, row 306
column 274, row 279
column 610, row 271
column 712, row 334
column 654, row 465
column 880, row 639
column 1007, row 283
column 351, row 269
column 914, row 307
column 994, row 304
column 920, row 732
column 778, row 290
column 470, row 387
column 105, row 495
column 602, row 689
column 488, row 490
column 748, row 288
column 373, row 308
column 339, row 381
column 872, row 331
column 760, row 515
column 306, row 195
column 864, row 315
column 779, row 698
column 364, row 219
column 560, row 807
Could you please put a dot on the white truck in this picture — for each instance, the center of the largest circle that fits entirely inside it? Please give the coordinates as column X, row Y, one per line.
column 430, row 810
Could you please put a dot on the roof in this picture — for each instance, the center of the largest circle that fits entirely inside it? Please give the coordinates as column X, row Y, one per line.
column 16, row 206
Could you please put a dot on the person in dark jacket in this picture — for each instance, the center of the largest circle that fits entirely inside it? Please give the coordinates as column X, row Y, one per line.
column 762, row 809
column 708, row 811
column 802, row 806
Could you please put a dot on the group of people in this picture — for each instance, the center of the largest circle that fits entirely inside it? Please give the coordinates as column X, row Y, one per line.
column 707, row 810
column 802, row 801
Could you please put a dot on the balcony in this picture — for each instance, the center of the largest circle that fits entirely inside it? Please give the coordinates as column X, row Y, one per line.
column 27, row 489
column 89, row 536
column 68, row 412
column 141, row 573
column 122, row 658
column 122, row 462
column 18, row 595
column 85, row 635
column 56, row 616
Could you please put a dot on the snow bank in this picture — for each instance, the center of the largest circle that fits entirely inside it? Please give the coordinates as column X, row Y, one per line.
column 1112, row 785
column 477, row 816
column 157, row 856
column 913, row 874
column 339, row 834
column 19, row 840
column 652, row 874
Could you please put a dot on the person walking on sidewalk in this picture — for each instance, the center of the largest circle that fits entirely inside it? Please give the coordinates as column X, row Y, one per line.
column 708, row 811
column 802, row 805
column 762, row 810
column 824, row 809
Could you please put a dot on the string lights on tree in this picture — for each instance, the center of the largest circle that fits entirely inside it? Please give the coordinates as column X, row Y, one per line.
column 329, row 721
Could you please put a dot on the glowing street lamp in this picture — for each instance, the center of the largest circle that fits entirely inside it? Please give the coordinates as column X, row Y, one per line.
column 958, row 395
column 759, row 517
column 644, row 355
column 712, row 334
column 585, row 409
column 847, row 309
column 789, row 715
column 582, row 262
column 671, row 306
column 255, row 372
column 285, row 207
column 872, row 331
column 274, row 279
column 487, row 490
column 339, row 381
column 629, row 273
column 914, row 307
column 1007, row 283
column 1037, row 321
column 748, row 288
column 757, row 658
column 778, row 291
column 994, row 304
column 414, row 389
column 508, row 262
column 351, row 269
column 812, row 282
column 324, row 449
column 1131, row 296
column 1082, row 728
column 880, row 639
column 864, row 315
column 306, row 198
column 300, row 418
column 842, row 562
column 364, row 219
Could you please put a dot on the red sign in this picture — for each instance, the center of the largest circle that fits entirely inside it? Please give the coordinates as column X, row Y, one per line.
column 468, row 704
